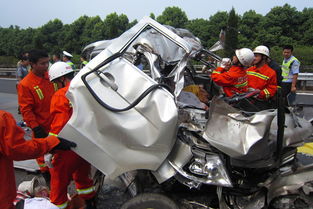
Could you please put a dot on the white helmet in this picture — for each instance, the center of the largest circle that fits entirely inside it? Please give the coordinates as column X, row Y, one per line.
column 245, row 56
column 262, row 50
column 59, row 69
column 65, row 53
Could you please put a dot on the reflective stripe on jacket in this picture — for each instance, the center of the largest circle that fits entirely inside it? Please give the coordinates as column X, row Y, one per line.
column 285, row 66
column 233, row 81
column 63, row 206
column 13, row 146
column 264, row 79
column 86, row 191
column 34, row 98
column 70, row 63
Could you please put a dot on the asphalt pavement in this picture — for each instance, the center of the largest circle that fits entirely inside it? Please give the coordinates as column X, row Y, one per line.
column 8, row 85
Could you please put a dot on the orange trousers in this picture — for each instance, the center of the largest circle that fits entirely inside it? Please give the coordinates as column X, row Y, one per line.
column 67, row 166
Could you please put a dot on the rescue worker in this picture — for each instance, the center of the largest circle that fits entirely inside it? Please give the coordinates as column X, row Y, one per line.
column 13, row 146
column 235, row 79
column 67, row 59
column 276, row 67
column 67, row 165
column 22, row 71
column 34, row 97
column 290, row 71
column 56, row 57
column 84, row 61
column 262, row 77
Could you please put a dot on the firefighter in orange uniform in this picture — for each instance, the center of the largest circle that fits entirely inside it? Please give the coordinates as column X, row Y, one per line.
column 34, row 97
column 14, row 147
column 262, row 77
column 235, row 79
column 67, row 165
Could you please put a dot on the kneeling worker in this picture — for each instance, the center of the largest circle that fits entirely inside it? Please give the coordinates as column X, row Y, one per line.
column 13, row 146
column 67, row 165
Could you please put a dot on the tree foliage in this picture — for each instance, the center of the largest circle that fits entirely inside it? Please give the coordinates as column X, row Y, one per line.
column 217, row 22
column 115, row 25
column 280, row 26
column 231, row 41
column 248, row 29
column 173, row 16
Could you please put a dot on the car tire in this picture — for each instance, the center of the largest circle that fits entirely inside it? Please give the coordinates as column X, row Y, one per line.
column 150, row 201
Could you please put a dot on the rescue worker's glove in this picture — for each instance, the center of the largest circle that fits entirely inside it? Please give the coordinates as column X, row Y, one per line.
column 39, row 132
column 64, row 145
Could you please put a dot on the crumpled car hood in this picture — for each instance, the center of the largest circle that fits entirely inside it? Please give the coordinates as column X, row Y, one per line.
column 252, row 137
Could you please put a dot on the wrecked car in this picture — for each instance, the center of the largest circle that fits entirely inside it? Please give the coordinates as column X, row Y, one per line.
column 142, row 125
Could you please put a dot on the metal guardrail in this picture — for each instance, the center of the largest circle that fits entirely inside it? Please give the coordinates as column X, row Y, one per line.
column 305, row 76
column 305, row 79
column 10, row 72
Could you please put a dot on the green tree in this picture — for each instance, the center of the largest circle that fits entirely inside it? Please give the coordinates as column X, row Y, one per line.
column 24, row 39
column 71, row 35
column 200, row 28
column 8, row 45
column 173, row 16
column 152, row 15
column 47, row 36
column 97, row 32
column 306, row 27
column 93, row 30
column 231, row 41
column 283, row 23
column 131, row 24
column 249, row 27
column 215, row 24
column 115, row 25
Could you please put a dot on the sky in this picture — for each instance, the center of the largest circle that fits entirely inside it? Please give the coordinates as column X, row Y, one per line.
column 35, row 13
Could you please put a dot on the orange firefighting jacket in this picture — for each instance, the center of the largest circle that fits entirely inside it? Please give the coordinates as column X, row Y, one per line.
column 34, row 98
column 264, row 79
column 61, row 110
column 66, row 164
column 233, row 81
column 14, row 147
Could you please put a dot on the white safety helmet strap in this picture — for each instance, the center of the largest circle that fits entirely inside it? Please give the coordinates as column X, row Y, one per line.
column 58, row 70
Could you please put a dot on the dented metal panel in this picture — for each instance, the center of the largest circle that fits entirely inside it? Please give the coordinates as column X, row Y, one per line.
column 289, row 183
column 139, row 138
column 251, row 137
column 234, row 134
